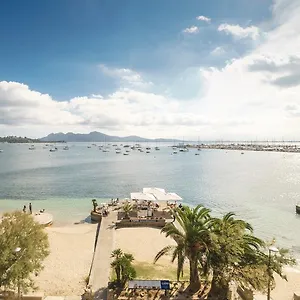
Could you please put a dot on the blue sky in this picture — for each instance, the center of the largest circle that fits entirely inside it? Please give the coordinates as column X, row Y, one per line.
column 55, row 46
column 214, row 69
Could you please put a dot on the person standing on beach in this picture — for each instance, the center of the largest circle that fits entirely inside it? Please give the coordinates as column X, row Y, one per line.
column 24, row 209
column 30, row 208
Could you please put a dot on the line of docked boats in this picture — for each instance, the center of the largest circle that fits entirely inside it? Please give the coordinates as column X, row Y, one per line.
column 122, row 149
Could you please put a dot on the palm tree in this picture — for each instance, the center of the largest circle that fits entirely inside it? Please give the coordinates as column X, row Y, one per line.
column 192, row 237
column 128, row 208
column 122, row 265
column 116, row 263
column 234, row 248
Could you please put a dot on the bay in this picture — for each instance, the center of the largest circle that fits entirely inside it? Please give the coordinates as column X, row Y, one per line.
column 260, row 187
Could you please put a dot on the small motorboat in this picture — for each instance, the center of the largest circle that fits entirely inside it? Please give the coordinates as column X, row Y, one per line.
column 298, row 209
column 66, row 148
column 1, row 150
column 43, row 218
column 31, row 147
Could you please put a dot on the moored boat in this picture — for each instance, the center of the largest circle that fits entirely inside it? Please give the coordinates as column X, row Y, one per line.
column 43, row 218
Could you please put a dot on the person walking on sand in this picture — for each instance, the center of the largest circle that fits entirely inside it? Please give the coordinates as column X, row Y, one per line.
column 30, row 208
column 24, row 209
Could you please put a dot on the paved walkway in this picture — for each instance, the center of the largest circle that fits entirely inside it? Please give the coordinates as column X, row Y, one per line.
column 101, row 265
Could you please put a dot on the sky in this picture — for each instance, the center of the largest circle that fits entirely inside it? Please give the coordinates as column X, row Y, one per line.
column 188, row 69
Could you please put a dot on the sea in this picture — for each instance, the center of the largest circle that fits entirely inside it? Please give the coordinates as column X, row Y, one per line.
column 259, row 187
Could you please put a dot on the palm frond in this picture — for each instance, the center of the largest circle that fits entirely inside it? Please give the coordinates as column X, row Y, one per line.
column 162, row 252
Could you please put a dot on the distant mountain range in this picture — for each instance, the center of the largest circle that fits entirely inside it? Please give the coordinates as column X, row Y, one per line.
column 97, row 137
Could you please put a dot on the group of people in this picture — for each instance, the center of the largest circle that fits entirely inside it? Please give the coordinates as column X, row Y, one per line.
column 30, row 209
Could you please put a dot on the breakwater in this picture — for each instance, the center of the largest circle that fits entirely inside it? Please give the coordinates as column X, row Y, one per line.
column 249, row 147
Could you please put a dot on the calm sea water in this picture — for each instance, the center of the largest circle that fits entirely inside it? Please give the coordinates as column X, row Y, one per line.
column 261, row 187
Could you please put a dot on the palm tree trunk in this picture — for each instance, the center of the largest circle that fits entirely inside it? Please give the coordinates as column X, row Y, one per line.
column 218, row 290
column 118, row 274
column 194, row 275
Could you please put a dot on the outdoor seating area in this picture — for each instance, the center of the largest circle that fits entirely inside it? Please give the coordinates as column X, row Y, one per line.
column 150, row 208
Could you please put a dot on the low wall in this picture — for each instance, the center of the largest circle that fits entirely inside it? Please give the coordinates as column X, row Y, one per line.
column 141, row 223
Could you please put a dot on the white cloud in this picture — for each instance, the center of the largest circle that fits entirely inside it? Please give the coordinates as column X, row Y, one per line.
column 255, row 96
column 125, row 111
column 204, row 19
column 218, row 51
column 191, row 30
column 239, row 32
column 127, row 77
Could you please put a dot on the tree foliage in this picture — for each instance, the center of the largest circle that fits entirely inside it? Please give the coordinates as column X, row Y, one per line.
column 221, row 250
column 192, row 238
column 23, row 247
column 128, row 208
column 123, row 267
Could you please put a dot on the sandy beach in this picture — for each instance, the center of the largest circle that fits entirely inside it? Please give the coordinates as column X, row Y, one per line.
column 284, row 290
column 71, row 247
column 143, row 243
column 69, row 262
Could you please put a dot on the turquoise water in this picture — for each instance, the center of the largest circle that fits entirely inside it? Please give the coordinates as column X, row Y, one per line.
column 261, row 187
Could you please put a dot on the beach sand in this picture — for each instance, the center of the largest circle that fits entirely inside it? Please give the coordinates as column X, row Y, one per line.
column 284, row 290
column 71, row 254
column 144, row 243
column 69, row 262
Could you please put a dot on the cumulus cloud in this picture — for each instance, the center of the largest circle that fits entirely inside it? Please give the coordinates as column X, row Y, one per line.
column 123, row 111
column 191, row 30
column 281, row 71
column 126, row 76
column 20, row 106
column 204, row 19
column 239, row 32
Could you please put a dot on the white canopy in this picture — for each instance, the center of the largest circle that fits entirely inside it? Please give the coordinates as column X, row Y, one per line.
column 142, row 196
column 161, row 194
